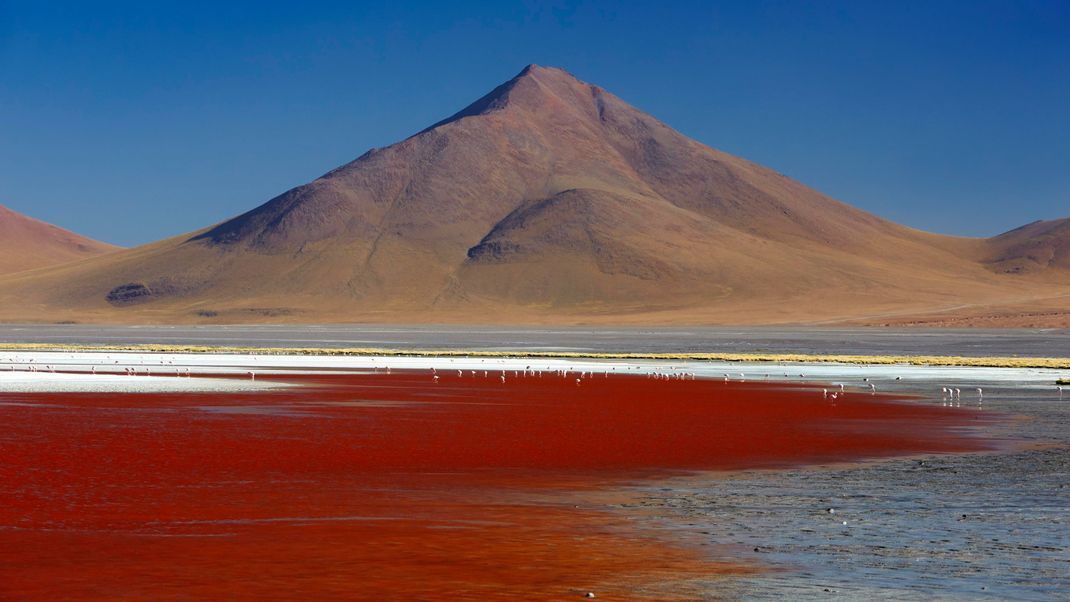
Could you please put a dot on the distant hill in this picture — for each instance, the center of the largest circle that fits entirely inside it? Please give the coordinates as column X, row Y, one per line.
column 1034, row 247
column 547, row 200
column 27, row 243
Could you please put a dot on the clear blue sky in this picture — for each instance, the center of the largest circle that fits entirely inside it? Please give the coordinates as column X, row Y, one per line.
column 133, row 121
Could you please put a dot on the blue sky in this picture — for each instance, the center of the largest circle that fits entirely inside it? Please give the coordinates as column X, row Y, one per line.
column 134, row 121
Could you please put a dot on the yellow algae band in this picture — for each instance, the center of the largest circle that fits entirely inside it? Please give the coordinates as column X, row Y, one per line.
column 916, row 360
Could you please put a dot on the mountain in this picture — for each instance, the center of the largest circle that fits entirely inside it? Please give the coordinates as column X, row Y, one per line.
column 1035, row 247
column 27, row 243
column 547, row 200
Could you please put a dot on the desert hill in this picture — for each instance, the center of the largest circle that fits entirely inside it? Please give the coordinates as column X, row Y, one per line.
column 547, row 200
column 27, row 243
column 1034, row 247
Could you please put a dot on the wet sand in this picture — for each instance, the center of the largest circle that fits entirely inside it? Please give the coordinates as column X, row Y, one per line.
column 375, row 485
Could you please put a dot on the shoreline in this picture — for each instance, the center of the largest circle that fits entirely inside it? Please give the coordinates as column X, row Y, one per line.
column 1056, row 363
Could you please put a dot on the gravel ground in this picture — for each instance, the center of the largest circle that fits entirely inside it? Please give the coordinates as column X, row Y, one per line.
column 780, row 339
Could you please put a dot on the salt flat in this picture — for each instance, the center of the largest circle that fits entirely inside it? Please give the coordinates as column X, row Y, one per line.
column 161, row 369
column 85, row 381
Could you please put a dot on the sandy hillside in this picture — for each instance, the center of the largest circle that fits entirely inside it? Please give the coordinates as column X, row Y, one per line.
column 550, row 200
column 27, row 243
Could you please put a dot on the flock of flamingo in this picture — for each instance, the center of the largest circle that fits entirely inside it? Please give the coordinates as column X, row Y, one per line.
column 947, row 394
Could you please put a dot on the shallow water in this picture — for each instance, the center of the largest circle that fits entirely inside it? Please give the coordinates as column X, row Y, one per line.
column 955, row 527
column 474, row 489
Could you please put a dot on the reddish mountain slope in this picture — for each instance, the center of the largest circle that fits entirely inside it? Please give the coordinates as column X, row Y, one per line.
column 547, row 200
column 27, row 243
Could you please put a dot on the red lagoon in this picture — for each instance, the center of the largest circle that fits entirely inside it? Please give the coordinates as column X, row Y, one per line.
column 392, row 486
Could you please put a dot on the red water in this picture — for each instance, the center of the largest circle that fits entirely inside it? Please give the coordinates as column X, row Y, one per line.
column 392, row 486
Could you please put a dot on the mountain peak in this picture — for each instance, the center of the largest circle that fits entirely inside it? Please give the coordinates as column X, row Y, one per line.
column 534, row 69
column 529, row 68
column 533, row 85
